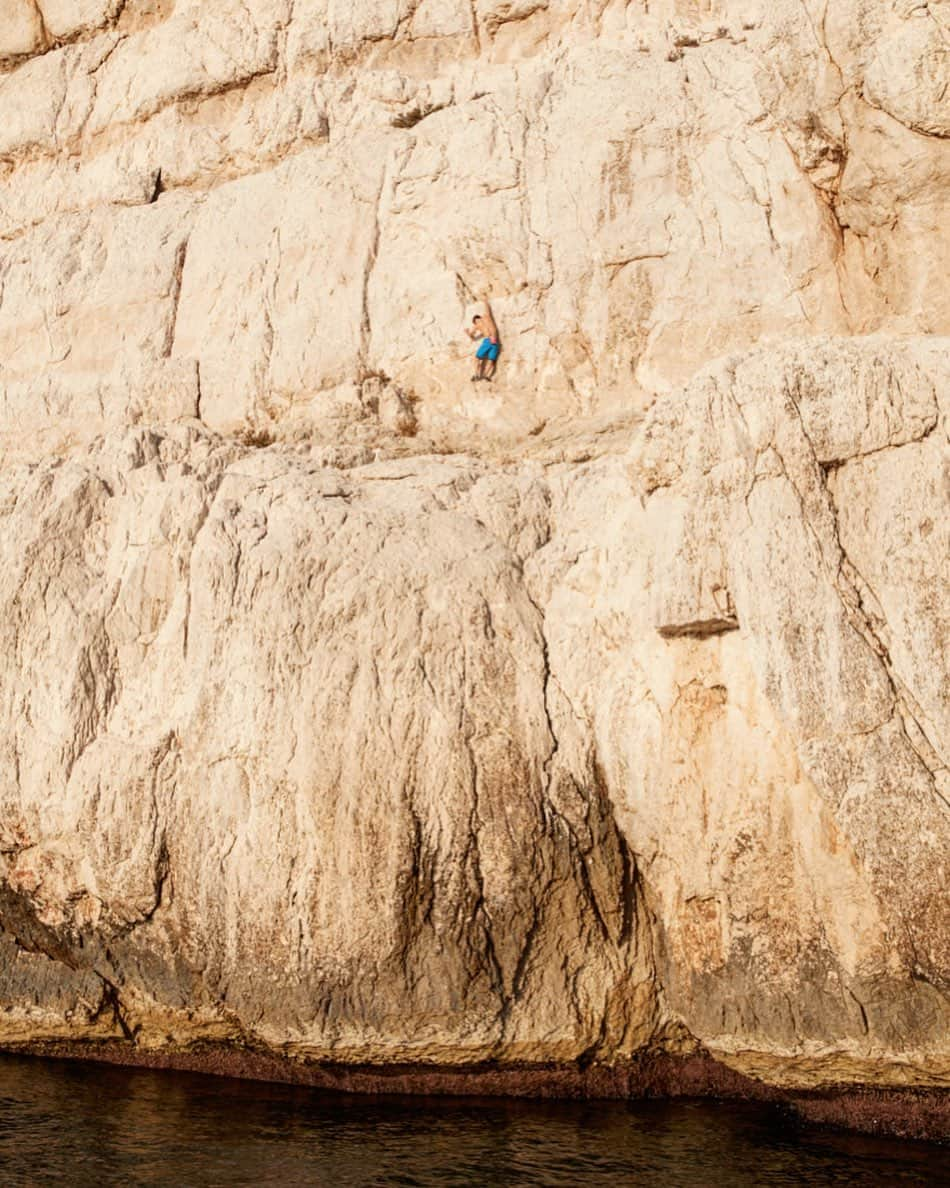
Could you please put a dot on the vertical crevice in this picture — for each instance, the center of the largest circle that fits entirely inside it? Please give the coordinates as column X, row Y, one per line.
column 177, row 280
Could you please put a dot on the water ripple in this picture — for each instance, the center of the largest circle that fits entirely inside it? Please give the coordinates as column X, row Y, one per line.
column 87, row 1125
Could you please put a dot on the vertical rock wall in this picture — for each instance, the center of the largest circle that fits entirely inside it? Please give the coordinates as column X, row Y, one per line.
column 292, row 197
column 357, row 713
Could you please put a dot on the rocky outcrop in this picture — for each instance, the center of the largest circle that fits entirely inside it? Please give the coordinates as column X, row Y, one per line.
column 359, row 714
column 440, row 759
column 293, row 196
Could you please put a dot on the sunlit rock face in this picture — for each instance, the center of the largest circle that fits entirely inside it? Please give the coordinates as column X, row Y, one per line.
column 357, row 712
column 292, row 196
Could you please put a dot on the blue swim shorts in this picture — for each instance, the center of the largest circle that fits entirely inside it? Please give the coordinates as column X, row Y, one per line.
column 489, row 350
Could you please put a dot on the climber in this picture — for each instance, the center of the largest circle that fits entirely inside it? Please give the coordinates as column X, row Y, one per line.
column 483, row 327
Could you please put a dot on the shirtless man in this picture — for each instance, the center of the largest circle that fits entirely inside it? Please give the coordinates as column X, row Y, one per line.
column 484, row 328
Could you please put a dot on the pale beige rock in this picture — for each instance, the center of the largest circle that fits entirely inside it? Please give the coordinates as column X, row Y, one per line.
column 457, row 758
column 758, row 171
column 68, row 19
column 410, row 873
column 21, row 28
column 799, row 522
column 90, row 294
column 364, row 713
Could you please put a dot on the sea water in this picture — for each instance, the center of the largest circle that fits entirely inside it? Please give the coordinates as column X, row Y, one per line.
column 86, row 1124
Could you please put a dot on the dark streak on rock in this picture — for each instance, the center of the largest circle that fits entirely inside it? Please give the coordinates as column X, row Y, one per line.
column 700, row 628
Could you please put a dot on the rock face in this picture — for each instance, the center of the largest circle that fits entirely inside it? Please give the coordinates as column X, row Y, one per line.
column 293, row 196
column 358, row 713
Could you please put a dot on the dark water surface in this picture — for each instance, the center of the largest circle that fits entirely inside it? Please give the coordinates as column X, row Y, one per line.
column 82, row 1124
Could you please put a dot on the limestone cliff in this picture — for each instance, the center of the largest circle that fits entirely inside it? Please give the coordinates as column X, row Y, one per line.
column 358, row 713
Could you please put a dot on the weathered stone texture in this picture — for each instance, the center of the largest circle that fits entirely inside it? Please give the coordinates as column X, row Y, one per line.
column 638, row 191
column 361, row 713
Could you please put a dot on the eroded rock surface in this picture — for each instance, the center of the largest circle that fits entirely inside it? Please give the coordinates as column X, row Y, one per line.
column 447, row 758
column 359, row 713
column 295, row 196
